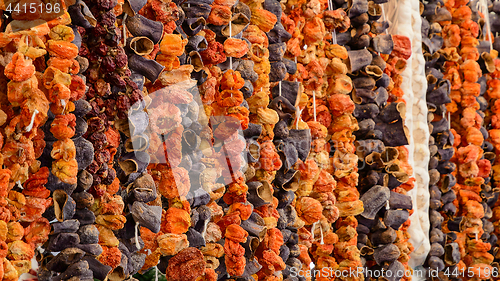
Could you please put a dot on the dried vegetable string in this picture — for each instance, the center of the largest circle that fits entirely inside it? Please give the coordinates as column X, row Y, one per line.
column 464, row 73
column 438, row 94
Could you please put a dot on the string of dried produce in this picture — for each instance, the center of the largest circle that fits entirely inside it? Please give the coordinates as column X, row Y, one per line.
column 265, row 222
column 464, row 72
column 487, row 61
column 438, row 94
column 71, row 155
column 143, row 208
column 184, row 224
column 26, row 109
column 314, row 190
column 111, row 94
column 315, row 66
column 229, row 115
column 401, row 53
column 370, row 80
column 487, row 102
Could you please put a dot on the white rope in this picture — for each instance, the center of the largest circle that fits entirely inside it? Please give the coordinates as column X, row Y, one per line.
column 487, row 22
column 334, row 33
column 230, row 36
column 279, row 86
column 156, row 273
column 383, row 15
column 321, row 231
column 449, row 120
column 30, row 126
column 314, row 105
column 124, row 30
column 63, row 102
column 312, row 229
column 205, row 229
column 299, row 112
column 137, row 244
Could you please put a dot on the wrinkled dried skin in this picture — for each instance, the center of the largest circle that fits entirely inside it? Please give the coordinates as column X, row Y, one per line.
column 110, row 256
column 62, row 49
column 37, row 232
column 220, row 15
column 114, row 222
column 340, row 104
column 176, row 221
column 269, row 158
column 164, row 118
column 174, row 183
column 228, row 98
column 19, row 250
column 34, row 208
column 18, row 156
column 77, row 88
column 62, row 32
column 19, row 69
column 451, row 35
column 186, row 265
column 271, row 262
column 66, row 171
column 172, row 45
column 63, row 149
column 236, row 48
column 314, row 31
column 110, row 205
column 170, row 244
column 234, row 259
column 236, row 233
column 53, row 76
column 263, row 19
column 10, row 272
column 309, row 210
column 231, row 80
column 64, row 65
